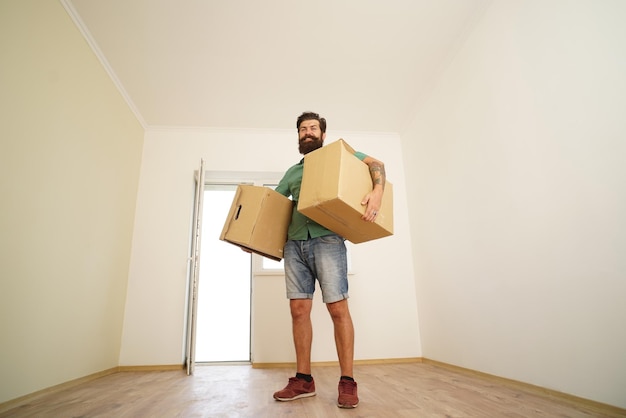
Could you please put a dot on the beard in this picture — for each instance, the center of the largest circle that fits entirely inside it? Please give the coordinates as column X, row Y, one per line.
column 307, row 146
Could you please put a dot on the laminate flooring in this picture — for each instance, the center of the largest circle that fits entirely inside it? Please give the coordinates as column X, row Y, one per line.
column 385, row 390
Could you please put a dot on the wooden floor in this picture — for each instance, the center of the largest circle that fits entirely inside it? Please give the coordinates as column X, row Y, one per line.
column 389, row 390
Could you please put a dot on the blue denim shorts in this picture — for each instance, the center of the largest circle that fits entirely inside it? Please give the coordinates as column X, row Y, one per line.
column 323, row 258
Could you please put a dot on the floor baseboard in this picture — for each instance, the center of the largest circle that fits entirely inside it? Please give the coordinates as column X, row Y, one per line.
column 156, row 368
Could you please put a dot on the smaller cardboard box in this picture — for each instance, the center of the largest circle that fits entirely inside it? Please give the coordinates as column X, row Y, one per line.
column 258, row 221
column 334, row 183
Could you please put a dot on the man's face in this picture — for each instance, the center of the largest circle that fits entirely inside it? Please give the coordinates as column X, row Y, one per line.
column 310, row 136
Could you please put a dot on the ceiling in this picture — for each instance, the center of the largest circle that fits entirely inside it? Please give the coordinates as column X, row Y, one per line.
column 258, row 64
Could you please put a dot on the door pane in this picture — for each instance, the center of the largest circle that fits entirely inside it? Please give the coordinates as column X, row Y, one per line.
column 223, row 330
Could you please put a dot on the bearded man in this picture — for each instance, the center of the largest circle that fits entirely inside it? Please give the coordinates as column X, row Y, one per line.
column 311, row 253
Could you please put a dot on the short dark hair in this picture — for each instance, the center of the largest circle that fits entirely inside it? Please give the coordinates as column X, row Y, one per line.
column 311, row 116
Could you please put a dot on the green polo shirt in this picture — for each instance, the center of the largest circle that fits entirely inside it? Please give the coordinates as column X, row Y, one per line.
column 301, row 227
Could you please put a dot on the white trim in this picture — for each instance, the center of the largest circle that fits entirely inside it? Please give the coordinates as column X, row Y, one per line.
column 259, row 178
column 217, row 129
column 71, row 11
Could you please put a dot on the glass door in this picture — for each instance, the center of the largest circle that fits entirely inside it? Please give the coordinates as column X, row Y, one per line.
column 224, row 287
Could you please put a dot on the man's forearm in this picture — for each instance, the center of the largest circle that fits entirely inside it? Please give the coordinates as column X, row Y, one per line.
column 377, row 171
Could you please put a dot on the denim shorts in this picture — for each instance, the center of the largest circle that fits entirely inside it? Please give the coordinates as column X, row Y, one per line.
column 323, row 258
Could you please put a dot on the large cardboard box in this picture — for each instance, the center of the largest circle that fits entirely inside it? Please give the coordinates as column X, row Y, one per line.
column 334, row 183
column 258, row 221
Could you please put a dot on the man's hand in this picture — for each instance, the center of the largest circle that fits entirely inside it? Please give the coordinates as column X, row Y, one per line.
column 373, row 201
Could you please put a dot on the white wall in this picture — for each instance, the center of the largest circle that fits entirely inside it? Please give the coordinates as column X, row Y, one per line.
column 382, row 289
column 517, row 189
column 70, row 152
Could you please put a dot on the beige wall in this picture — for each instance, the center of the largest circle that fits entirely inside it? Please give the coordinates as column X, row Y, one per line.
column 70, row 153
column 518, row 196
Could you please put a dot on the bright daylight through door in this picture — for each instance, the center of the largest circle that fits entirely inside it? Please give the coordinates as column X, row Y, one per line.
column 223, row 318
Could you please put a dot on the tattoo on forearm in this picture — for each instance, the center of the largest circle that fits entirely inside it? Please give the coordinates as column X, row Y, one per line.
column 377, row 172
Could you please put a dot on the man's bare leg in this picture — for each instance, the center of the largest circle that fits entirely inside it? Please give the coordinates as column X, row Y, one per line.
column 302, row 333
column 300, row 386
column 344, row 335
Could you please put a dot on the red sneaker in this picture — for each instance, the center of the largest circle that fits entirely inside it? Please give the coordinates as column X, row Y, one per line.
column 296, row 389
column 348, row 397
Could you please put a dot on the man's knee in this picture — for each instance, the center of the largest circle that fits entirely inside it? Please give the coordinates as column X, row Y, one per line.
column 300, row 308
column 338, row 310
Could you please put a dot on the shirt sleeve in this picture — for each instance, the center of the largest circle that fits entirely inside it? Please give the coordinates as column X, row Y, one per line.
column 283, row 185
column 360, row 155
column 283, row 188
